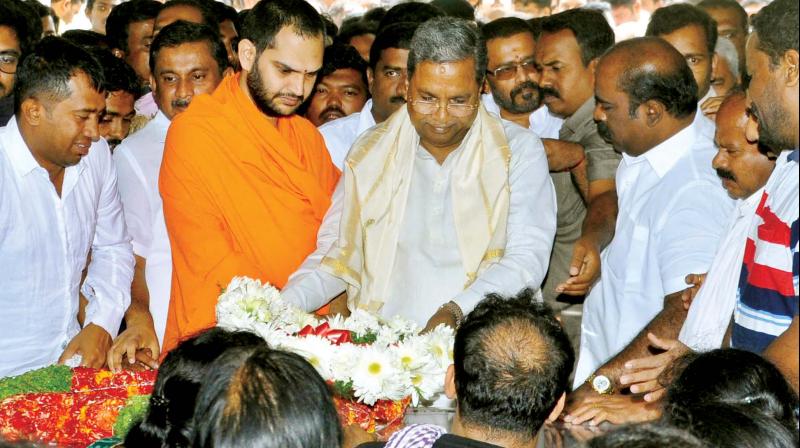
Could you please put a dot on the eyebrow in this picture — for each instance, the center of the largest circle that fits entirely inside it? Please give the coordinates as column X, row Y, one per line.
column 392, row 67
column 283, row 66
column 598, row 99
column 10, row 51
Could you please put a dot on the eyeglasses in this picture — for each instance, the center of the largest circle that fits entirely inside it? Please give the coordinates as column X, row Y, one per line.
column 8, row 63
column 430, row 107
column 507, row 72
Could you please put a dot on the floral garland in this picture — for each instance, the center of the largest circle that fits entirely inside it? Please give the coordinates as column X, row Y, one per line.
column 364, row 358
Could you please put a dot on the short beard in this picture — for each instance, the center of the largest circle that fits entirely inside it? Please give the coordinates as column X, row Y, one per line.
column 772, row 124
column 262, row 97
column 526, row 107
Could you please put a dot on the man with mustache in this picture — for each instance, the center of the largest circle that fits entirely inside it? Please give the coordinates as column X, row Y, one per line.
column 245, row 182
column 341, row 85
column 672, row 210
column 566, row 55
column 122, row 88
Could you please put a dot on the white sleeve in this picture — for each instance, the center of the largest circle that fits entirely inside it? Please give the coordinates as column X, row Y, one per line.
column 133, row 194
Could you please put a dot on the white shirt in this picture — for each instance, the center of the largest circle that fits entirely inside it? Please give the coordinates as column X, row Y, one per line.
column 672, row 212
column 713, row 305
column 340, row 134
column 138, row 160
column 543, row 123
column 44, row 243
column 427, row 269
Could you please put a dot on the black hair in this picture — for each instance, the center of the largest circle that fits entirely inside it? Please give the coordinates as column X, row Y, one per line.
column 456, row 8
column 646, row 436
column 265, row 398
column 239, row 23
column 505, row 27
column 591, row 29
column 338, row 56
column 776, row 27
column 671, row 83
column 397, row 35
column 169, row 417
column 47, row 70
column 724, row 425
column 331, row 30
column 267, row 19
column 181, row 32
column 225, row 12
column 512, row 362
column 206, row 7
column 410, row 12
column 354, row 28
column 86, row 38
column 123, row 15
column 17, row 16
column 118, row 75
column 536, row 26
column 41, row 10
column 374, row 15
column 735, row 377
column 727, row 4
column 674, row 17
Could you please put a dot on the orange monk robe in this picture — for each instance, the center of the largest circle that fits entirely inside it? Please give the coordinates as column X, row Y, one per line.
column 241, row 197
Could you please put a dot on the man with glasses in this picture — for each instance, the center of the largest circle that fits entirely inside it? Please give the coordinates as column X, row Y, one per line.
column 14, row 38
column 443, row 202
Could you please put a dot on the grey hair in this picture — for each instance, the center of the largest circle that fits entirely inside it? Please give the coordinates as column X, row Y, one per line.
column 726, row 50
column 448, row 39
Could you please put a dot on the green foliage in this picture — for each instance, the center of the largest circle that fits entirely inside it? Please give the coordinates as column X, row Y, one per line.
column 134, row 411
column 47, row 379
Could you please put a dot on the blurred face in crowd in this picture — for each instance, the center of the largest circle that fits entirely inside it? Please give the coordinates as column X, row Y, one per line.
column 172, row 14
column 690, row 41
column 388, row 83
column 9, row 60
column 337, row 95
column 723, row 79
column 362, row 44
column 614, row 122
column 65, row 10
column 227, row 31
column 280, row 78
column 181, row 73
column 98, row 14
column 66, row 128
column 729, row 26
column 740, row 165
column 565, row 82
column 48, row 26
column 140, row 35
column 625, row 13
column 115, row 123
column 442, row 101
column 512, row 75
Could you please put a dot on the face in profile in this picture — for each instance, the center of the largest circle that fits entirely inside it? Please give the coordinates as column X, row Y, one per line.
column 565, row 82
column 612, row 111
column 140, row 35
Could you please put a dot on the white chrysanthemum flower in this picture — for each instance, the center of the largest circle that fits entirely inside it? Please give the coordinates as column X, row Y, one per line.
column 316, row 350
column 362, row 322
column 336, row 322
column 377, row 376
column 440, row 345
column 344, row 363
column 426, row 385
column 403, row 327
column 414, row 354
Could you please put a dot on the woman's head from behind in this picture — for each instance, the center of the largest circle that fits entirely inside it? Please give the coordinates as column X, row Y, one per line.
column 265, row 398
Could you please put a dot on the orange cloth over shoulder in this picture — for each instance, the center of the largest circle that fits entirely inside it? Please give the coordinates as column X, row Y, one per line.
column 241, row 197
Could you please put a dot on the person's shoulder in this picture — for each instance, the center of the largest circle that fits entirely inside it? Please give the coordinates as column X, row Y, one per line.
column 522, row 141
column 347, row 125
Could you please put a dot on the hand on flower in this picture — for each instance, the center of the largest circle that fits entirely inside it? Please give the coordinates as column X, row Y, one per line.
column 584, row 268
column 92, row 343
column 137, row 344
column 696, row 280
column 354, row 436
column 441, row 316
column 642, row 374
column 616, row 409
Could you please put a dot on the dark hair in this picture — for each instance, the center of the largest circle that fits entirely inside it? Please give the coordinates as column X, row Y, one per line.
column 670, row 83
column 41, row 10
column 505, row 27
column 265, row 398
column 123, row 15
column 729, row 426
column 456, row 8
column 447, row 39
column 410, row 12
column 735, row 377
column 86, row 38
column 118, row 75
column 776, row 27
column 536, row 26
column 225, row 12
column 338, row 56
column 267, row 19
column 168, row 421
column 182, row 32
column 674, row 17
column 374, row 15
column 239, row 23
column 727, row 4
column 397, row 35
column 592, row 31
column 46, row 71
column 17, row 16
column 354, row 28
column 646, row 436
column 331, row 29
column 512, row 362
column 208, row 11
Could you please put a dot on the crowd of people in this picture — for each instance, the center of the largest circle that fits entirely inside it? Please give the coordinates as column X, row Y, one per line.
column 452, row 163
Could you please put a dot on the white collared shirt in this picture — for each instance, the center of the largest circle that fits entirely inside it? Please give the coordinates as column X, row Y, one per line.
column 44, row 243
column 427, row 269
column 138, row 161
column 340, row 134
column 543, row 123
column 672, row 213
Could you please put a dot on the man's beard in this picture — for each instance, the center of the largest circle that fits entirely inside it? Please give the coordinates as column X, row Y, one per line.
column 524, row 105
column 604, row 131
column 772, row 122
column 264, row 99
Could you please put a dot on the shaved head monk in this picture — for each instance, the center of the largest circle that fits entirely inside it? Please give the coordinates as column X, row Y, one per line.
column 244, row 181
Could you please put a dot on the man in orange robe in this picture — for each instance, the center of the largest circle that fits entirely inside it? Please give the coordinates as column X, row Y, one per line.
column 245, row 182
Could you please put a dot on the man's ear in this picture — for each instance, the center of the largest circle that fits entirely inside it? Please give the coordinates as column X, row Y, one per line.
column 247, row 54
column 32, row 111
column 558, row 409
column 118, row 53
column 152, row 82
column 654, row 112
column 790, row 62
column 450, row 382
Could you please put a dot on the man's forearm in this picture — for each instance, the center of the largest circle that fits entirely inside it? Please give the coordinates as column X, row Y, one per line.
column 601, row 218
column 667, row 324
column 139, row 309
column 784, row 354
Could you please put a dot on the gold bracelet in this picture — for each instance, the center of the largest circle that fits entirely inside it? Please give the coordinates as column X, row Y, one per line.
column 455, row 310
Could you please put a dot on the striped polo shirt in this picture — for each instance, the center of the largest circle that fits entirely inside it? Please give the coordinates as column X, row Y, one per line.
column 767, row 297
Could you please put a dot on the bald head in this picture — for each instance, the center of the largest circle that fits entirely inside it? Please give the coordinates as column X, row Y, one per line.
column 740, row 164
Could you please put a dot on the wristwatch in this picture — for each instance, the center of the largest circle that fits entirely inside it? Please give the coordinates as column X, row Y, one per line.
column 455, row 311
column 601, row 384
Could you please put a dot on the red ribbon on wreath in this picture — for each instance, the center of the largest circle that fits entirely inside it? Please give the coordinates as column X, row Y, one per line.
column 325, row 331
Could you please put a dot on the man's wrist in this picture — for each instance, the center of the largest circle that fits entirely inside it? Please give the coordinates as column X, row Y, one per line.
column 455, row 312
